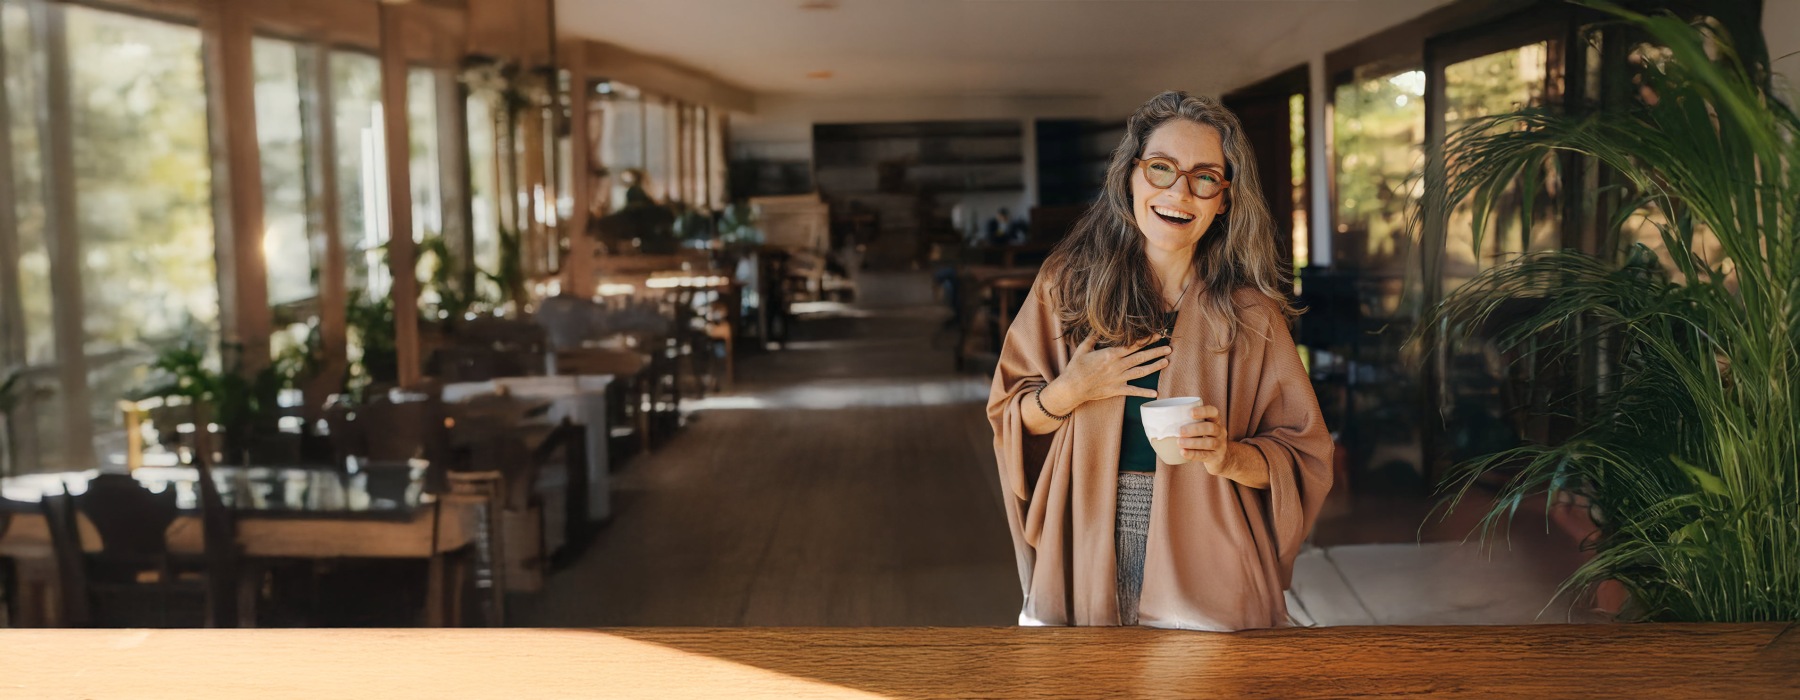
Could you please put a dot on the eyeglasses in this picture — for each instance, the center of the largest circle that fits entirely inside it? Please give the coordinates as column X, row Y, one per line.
column 1205, row 182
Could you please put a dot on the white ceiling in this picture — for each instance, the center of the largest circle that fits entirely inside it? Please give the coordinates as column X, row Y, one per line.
column 1103, row 50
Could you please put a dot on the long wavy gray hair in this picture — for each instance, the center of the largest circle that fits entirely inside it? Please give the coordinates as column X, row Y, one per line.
column 1099, row 277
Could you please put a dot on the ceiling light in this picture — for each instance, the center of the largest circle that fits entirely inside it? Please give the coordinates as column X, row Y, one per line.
column 819, row 4
column 819, row 75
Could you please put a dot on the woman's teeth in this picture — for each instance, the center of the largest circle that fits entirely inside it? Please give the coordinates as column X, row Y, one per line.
column 1172, row 216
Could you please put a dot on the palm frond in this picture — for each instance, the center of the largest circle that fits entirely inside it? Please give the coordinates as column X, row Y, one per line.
column 1692, row 458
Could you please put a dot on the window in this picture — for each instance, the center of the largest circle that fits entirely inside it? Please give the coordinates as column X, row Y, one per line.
column 422, row 130
column 1484, row 86
column 1297, row 168
column 622, row 142
column 143, row 186
column 290, row 250
column 484, row 187
column 658, row 169
column 1378, row 128
column 361, row 176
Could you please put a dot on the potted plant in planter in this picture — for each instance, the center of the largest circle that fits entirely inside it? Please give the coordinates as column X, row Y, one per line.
column 1691, row 460
column 244, row 407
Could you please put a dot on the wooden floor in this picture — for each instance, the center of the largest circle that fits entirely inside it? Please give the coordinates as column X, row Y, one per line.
column 848, row 482
column 1572, row 661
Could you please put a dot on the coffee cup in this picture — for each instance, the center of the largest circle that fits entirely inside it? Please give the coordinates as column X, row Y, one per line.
column 1163, row 419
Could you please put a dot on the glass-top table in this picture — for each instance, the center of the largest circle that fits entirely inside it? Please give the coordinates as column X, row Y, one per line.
column 381, row 490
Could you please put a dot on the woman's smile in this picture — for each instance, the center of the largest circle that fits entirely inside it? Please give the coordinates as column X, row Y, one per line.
column 1173, row 218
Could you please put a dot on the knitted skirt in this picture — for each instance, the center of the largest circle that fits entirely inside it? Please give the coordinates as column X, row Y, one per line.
column 1131, row 528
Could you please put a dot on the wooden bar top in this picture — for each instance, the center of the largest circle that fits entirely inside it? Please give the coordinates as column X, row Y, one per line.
column 1676, row 661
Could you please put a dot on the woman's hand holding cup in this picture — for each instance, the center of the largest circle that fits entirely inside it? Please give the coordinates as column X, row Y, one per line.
column 1203, row 441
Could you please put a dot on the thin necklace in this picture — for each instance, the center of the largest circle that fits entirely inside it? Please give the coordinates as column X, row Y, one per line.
column 1169, row 319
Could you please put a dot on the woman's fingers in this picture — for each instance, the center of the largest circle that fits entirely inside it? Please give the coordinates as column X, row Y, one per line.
column 1201, row 413
column 1145, row 355
column 1200, row 429
column 1086, row 346
column 1146, row 370
column 1199, row 443
column 1139, row 391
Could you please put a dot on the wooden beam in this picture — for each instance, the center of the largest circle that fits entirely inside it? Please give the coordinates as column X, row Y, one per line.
column 578, row 272
column 56, row 144
column 1402, row 46
column 320, row 137
column 244, row 314
column 396, row 138
column 346, row 23
column 453, row 172
column 664, row 77
column 533, row 134
column 518, row 31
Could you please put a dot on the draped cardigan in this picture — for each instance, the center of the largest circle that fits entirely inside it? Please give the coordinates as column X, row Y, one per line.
column 1220, row 555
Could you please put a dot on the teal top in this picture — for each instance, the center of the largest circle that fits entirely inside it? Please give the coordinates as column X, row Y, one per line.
column 1135, row 453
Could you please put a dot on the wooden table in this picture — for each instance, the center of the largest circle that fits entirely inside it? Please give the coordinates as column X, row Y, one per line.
column 266, row 527
column 1672, row 661
column 999, row 287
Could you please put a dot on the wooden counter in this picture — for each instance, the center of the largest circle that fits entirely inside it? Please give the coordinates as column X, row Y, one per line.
column 1538, row 661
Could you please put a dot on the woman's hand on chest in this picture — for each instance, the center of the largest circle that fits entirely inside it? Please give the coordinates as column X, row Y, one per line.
column 1096, row 374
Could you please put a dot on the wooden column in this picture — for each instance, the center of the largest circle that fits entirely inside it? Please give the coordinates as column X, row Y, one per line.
column 718, row 163
column 244, row 315
column 532, row 135
column 56, row 146
column 401, row 249
column 320, row 129
column 578, row 276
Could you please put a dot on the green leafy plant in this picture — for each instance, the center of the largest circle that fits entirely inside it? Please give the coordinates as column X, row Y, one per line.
column 444, row 272
column 737, row 226
column 1691, row 463
column 509, row 273
column 371, row 320
column 244, row 404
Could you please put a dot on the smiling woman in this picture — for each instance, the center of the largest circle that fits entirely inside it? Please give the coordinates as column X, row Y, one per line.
column 1173, row 268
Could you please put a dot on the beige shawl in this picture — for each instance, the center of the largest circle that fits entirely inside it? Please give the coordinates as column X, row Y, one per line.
column 1220, row 554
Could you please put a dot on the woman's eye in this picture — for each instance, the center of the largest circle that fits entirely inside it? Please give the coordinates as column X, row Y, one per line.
column 1208, row 178
column 1162, row 168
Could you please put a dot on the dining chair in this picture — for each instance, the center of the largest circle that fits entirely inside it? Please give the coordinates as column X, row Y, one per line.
column 132, row 581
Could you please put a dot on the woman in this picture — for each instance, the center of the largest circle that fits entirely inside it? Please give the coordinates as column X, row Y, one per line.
column 1168, row 286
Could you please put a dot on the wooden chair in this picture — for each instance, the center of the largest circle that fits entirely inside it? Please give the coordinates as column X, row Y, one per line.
column 132, row 581
column 631, row 391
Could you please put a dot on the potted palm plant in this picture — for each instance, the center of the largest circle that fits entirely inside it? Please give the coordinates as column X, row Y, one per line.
column 1691, row 461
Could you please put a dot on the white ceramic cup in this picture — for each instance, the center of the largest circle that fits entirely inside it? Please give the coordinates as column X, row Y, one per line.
column 1163, row 419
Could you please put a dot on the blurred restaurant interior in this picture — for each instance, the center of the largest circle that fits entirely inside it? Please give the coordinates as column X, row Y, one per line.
column 602, row 313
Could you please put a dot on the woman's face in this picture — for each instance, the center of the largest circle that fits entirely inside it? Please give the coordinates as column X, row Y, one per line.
column 1173, row 219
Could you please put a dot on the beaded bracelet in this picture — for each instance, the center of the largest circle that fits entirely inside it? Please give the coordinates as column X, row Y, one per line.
column 1039, row 396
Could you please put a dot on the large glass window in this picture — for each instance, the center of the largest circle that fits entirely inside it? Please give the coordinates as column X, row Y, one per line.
column 622, row 143
column 484, row 187
column 289, row 250
column 422, row 130
column 658, row 165
column 1485, row 86
column 361, row 177
column 1378, row 129
column 144, row 199
column 1297, row 174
